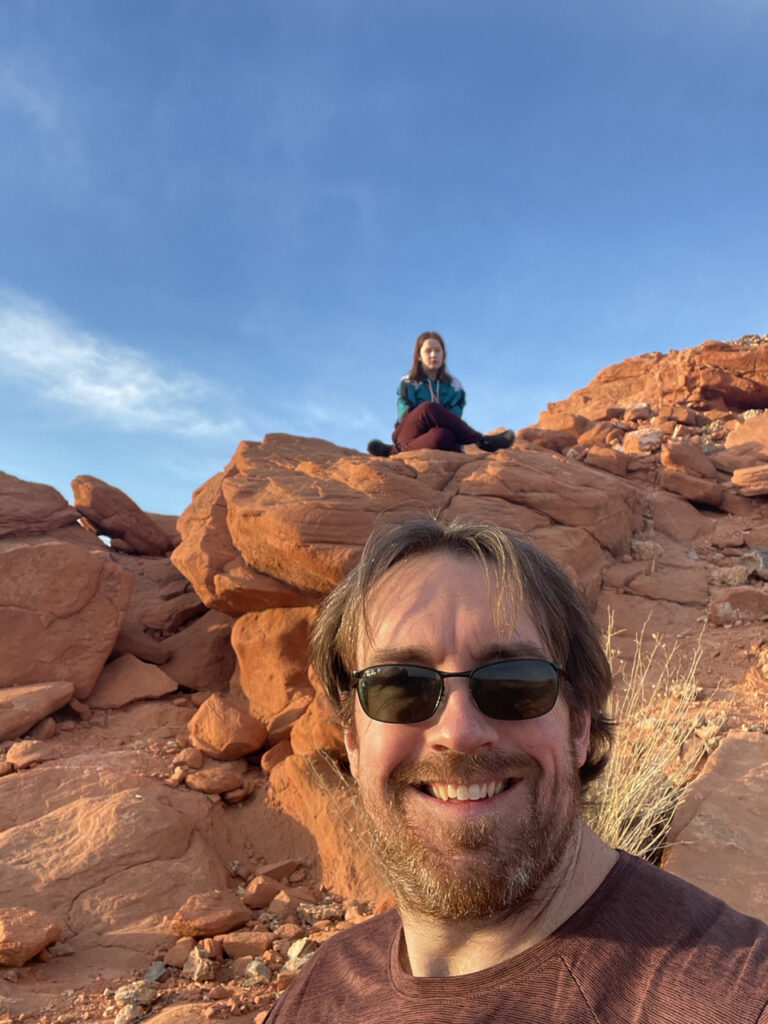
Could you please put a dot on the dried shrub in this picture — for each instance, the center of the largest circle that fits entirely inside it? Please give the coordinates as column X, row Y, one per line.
column 664, row 731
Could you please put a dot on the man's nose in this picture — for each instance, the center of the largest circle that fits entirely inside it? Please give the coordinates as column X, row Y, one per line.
column 459, row 724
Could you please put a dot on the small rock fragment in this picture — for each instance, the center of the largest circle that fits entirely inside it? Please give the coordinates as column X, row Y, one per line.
column 197, row 967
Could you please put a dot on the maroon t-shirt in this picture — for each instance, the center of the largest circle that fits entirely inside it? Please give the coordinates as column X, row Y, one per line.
column 646, row 948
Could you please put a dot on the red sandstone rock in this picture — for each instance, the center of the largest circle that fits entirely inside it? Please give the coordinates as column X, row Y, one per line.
column 201, row 655
column 300, row 512
column 757, row 536
column 754, row 430
column 689, row 458
column 61, row 607
column 110, row 512
column 163, row 600
column 718, row 838
column 224, row 732
column 681, row 413
column 568, row 492
column 739, row 604
column 280, row 727
column 702, row 492
column 608, row 459
column 735, row 504
column 676, row 518
column 260, row 892
column 554, row 440
column 279, row 869
column 315, row 505
column 127, row 679
column 565, row 421
column 272, row 757
column 209, row 559
column 732, row 374
column 23, row 706
column 575, row 549
column 218, row 779
column 752, row 480
column 505, row 513
column 247, row 943
column 318, row 729
column 643, row 441
column 189, row 757
column 109, row 865
column 24, row 933
column 739, row 457
column 727, row 535
column 168, row 524
column 210, row 913
column 27, row 752
column 178, row 953
column 132, row 639
column 598, row 433
column 682, row 585
column 31, row 508
column 271, row 648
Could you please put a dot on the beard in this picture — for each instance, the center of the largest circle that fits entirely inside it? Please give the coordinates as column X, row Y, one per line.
column 484, row 868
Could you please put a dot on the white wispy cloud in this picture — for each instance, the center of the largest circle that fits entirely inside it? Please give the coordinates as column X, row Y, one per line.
column 32, row 101
column 111, row 383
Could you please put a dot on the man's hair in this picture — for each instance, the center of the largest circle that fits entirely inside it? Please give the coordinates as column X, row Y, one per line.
column 524, row 576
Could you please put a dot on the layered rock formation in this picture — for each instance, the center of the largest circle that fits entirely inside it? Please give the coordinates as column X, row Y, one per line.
column 161, row 737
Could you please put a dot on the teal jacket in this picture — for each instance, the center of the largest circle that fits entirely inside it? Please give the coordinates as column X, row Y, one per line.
column 410, row 394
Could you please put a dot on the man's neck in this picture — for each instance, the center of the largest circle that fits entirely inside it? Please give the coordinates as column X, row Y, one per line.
column 435, row 948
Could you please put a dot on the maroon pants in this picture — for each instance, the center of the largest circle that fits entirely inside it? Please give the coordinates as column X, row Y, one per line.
column 431, row 425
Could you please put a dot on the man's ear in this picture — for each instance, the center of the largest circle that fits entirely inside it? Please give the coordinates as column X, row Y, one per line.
column 581, row 731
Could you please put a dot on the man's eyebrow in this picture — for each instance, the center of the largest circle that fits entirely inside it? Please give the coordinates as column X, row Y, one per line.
column 399, row 655
column 422, row 656
column 516, row 649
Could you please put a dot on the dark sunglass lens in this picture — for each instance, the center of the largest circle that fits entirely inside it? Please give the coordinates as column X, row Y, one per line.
column 512, row 690
column 399, row 694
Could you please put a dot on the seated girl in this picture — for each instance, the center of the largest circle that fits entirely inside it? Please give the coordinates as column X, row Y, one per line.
column 430, row 402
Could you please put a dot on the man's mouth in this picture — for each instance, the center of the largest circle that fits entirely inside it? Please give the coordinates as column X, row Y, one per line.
column 465, row 791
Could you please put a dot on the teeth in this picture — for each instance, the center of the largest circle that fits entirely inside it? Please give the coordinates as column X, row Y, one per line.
column 474, row 791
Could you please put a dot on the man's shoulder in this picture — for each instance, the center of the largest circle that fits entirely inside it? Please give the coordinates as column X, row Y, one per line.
column 664, row 936
column 653, row 891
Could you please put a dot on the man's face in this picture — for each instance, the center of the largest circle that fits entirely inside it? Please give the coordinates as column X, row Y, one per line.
column 489, row 847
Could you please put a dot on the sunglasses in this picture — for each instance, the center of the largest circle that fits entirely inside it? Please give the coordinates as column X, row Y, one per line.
column 510, row 691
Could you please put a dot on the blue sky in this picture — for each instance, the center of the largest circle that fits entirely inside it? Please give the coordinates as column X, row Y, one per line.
column 219, row 220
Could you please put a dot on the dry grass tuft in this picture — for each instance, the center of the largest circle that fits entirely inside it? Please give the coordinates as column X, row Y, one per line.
column 664, row 732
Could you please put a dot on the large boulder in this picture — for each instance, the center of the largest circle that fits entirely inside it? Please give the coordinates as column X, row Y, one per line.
column 61, row 608
column 718, row 838
column 200, row 655
column 223, row 731
column 21, row 707
column 111, row 859
column 127, row 679
column 24, row 933
column 110, row 512
column 289, row 516
column 272, row 651
column 31, row 508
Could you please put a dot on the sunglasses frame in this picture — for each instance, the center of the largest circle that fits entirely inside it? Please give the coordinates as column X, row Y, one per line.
column 469, row 674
